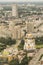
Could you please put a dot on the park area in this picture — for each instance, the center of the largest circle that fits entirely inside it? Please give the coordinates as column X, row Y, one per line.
column 39, row 42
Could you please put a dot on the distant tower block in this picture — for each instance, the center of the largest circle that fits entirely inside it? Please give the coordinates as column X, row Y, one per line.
column 14, row 11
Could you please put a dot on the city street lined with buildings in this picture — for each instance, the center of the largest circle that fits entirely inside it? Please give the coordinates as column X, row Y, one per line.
column 36, row 58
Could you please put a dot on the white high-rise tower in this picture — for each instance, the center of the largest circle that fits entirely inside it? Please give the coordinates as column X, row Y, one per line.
column 14, row 10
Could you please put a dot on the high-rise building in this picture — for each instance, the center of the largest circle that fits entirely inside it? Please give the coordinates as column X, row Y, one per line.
column 30, row 27
column 14, row 11
column 17, row 33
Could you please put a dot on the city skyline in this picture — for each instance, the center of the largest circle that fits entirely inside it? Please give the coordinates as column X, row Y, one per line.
column 21, row 0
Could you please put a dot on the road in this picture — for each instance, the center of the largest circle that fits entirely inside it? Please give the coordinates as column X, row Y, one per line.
column 17, row 43
column 35, row 60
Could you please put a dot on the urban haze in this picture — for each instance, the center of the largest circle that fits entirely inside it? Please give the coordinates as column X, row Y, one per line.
column 21, row 32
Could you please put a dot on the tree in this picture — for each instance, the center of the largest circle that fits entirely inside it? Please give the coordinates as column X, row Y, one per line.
column 20, row 47
column 24, row 61
column 14, row 62
column 6, row 41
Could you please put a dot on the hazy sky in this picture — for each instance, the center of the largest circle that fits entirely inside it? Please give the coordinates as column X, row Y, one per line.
column 19, row 0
